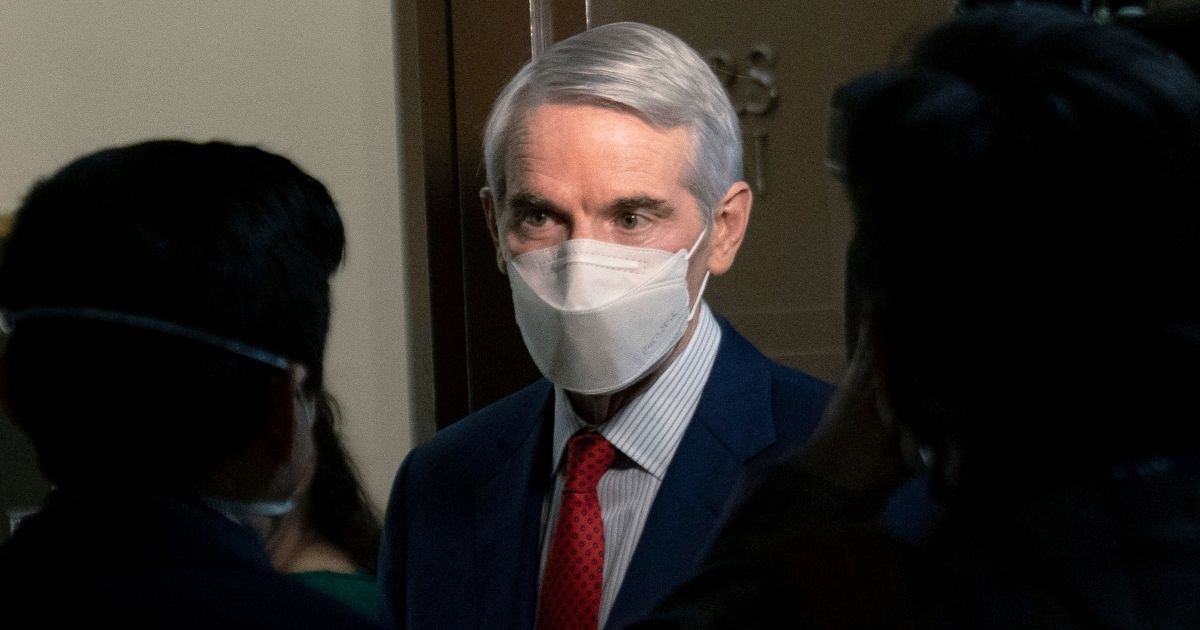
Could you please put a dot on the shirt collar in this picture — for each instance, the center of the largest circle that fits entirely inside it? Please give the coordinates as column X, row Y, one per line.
column 649, row 428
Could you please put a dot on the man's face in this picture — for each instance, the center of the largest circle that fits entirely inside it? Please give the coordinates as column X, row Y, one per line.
column 586, row 172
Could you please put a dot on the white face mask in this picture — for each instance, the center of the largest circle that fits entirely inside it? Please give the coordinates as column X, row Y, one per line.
column 598, row 316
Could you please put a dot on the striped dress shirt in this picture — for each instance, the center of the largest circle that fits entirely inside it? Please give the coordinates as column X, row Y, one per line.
column 645, row 433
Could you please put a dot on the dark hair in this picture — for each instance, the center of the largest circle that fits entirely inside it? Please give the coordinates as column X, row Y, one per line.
column 1025, row 202
column 230, row 240
column 338, row 507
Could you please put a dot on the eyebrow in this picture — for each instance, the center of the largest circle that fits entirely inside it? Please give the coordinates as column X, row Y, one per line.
column 526, row 200
column 653, row 205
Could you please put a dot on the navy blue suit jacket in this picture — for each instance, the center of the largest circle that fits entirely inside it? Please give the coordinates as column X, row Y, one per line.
column 461, row 541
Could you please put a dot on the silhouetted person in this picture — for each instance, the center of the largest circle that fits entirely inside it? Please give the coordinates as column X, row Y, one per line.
column 1025, row 270
column 168, row 305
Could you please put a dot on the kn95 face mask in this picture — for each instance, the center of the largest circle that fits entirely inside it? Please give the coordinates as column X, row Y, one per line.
column 598, row 316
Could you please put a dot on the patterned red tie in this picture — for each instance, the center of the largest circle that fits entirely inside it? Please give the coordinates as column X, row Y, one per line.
column 574, row 576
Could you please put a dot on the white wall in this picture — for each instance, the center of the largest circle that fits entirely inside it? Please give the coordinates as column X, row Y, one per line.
column 311, row 79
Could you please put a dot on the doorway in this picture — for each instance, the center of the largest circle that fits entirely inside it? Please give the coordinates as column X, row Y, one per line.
column 781, row 62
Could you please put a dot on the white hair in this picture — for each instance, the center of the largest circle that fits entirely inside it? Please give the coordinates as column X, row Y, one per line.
column 634, row 68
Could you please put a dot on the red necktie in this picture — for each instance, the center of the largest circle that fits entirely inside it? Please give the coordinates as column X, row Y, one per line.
column 574, row 576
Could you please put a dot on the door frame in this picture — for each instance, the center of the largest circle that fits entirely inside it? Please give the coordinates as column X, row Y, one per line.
column 466, row 51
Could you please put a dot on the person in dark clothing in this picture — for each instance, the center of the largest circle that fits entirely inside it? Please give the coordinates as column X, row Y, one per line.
column 167, row 305
column 1023, row 284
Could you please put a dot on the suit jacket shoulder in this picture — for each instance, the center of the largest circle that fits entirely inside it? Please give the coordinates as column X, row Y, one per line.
column 479, row 445
column 460, row 543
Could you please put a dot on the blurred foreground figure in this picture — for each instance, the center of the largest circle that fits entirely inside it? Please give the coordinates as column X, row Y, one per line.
column 1023, row 280
column 167, row 306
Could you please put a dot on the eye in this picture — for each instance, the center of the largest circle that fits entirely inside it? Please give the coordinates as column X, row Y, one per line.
column 630, row 221
column 535, row 218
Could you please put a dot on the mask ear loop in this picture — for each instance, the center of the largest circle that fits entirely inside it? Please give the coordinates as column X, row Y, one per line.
column 691, row 251
column 699, row 294
column 704, row 282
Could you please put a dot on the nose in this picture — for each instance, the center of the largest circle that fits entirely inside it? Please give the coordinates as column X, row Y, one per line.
column 584, row 229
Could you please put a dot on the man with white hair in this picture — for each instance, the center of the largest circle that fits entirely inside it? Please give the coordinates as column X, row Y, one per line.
column 614, row 191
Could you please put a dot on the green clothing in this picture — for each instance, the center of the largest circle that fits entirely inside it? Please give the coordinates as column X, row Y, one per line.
column 357, row 590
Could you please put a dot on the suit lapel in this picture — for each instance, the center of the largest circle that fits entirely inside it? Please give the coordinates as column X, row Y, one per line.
column 733, row 422
column 508, row 511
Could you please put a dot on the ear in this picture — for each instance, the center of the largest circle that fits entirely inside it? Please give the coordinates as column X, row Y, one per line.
column 729, row 227
column 489, row 215
column 277, row 437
